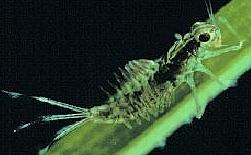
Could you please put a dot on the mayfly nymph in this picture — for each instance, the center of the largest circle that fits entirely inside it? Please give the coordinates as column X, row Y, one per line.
column 147, row 86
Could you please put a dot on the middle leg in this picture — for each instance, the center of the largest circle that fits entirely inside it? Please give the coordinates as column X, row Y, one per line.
column 191, row 83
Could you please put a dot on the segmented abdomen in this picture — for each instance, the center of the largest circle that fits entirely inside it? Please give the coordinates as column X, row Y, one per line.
column 138, row 97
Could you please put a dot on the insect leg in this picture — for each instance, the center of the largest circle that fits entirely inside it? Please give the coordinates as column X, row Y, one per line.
column 202, row 68
column 190, row 81
column 217, row 52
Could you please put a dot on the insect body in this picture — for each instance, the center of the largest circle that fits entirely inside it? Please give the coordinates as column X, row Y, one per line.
column 168, row 72
column 172, row 64
column 147, row 86
column 137, row 97
column 185, row 56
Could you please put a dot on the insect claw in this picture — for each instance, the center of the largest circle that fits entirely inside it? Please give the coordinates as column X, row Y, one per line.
column 199, row 109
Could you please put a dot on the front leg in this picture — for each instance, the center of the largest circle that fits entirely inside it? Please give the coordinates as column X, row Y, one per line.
column 206, row 54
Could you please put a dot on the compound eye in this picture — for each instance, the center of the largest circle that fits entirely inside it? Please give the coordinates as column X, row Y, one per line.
column 204, row 37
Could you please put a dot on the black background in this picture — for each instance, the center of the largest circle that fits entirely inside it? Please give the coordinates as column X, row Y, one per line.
column 66, row 49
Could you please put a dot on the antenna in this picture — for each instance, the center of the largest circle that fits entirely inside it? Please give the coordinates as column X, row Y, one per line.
column 210, row 12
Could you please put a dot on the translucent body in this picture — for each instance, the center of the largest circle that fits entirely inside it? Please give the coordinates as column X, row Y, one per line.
column 154, row 99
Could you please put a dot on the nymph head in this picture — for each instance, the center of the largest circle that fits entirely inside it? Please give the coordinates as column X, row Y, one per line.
column 207, row 34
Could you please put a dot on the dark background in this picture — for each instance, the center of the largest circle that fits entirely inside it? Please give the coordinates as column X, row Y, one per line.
column 66, row 49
